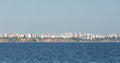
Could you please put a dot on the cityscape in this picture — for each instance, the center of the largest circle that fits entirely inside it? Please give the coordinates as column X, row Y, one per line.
column 62, row 37
column 59, row 31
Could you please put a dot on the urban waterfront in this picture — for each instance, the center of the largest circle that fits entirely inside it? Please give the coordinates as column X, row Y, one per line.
column 62, row 37
column 59, row 52
column 59, row 31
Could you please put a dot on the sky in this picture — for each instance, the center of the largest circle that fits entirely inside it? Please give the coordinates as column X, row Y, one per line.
column 59, row 16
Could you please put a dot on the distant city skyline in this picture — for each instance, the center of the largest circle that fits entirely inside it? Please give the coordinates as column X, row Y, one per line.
column 62, row 37
column 47, row 16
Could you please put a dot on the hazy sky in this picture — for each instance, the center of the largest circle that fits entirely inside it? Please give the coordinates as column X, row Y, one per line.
column 44, row 16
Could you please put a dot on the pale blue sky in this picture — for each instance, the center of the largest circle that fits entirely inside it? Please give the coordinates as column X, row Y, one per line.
column 46, row 16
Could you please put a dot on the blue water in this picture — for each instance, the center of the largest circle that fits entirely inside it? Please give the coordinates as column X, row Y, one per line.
column 59, row 52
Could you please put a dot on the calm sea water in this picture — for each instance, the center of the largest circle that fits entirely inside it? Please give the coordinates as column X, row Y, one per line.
column 59, row 52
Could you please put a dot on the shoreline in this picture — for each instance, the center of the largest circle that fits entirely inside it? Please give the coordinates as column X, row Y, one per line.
column 60, row 41
column 55, row 40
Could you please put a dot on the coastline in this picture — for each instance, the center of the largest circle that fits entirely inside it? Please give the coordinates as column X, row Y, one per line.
column 61, row 41
column 56, row 40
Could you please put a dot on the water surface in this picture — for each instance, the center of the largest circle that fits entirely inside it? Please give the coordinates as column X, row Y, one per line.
column 59, row 52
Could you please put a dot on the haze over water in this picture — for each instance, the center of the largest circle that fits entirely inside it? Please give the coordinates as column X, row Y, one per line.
column 47, row 16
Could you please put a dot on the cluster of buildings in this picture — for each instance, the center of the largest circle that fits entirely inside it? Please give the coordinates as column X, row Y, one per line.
column 86, row 36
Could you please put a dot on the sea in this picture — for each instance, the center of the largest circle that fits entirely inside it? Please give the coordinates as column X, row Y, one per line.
column 60, row 52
